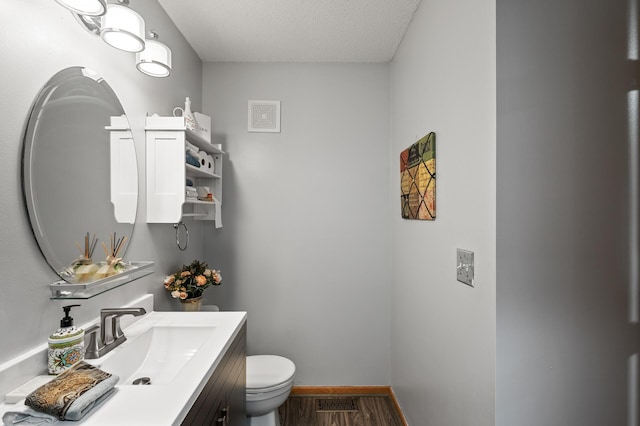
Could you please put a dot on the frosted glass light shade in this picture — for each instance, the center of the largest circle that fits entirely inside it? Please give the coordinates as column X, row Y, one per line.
column 155, row 59
column 85, row 7
column 123, row 28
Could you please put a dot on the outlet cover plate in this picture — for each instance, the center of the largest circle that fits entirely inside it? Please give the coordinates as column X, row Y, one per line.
column 464, row 266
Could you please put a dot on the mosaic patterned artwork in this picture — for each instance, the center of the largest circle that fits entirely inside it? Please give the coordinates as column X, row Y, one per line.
column 418, row 179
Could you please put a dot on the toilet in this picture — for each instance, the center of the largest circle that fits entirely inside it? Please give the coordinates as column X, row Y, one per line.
column 269, row 382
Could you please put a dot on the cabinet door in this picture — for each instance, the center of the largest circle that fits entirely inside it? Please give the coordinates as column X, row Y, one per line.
column 237, row 401
column 124, row 175
column 165, row 176
column 225, row 391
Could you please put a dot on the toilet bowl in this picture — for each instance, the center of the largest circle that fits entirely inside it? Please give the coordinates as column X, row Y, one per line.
column 269, row 382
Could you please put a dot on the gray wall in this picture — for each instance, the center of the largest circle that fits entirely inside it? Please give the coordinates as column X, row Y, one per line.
column 443, row 332
column 567, row 326
column 305, row 243
column 335, row 279
column 37, row 39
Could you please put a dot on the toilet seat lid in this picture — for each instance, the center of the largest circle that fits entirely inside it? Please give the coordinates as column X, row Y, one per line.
column 267, row 371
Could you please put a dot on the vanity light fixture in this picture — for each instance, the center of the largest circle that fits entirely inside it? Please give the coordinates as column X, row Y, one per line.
column 85, row 7
column 123, row 28
column 155, row 59
column 90, row 23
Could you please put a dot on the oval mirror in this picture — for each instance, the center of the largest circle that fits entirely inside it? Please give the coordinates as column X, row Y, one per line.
column 79, row 169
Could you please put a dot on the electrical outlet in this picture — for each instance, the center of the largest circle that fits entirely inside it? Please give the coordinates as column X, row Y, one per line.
column 464, row 266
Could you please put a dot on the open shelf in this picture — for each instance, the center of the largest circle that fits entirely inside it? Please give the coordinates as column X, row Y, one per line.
column 202, row 143
column 198, row 172
column 66, row 290
column 210, row 203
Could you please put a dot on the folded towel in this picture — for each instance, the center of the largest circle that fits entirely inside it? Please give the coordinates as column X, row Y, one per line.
column 192, row 158
column 72, row 394
column 27, row 416
column 88, row 400
column 191, row 195
column 191, row 146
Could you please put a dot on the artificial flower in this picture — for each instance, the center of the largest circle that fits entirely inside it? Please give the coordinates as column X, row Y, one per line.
column 191, row 280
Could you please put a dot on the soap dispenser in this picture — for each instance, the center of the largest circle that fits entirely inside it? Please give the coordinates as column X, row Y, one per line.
column 66, row 345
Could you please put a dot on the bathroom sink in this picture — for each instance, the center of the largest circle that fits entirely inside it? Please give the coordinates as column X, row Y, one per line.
column 156, row 355
column 179, row 352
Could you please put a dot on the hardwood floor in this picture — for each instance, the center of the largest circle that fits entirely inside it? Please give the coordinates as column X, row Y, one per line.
column 372, row 410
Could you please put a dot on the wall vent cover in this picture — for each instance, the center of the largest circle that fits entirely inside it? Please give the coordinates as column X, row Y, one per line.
column 264, row 116
column 336, row 404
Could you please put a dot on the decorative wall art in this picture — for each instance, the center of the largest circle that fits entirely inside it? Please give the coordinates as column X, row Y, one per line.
column 418, row 179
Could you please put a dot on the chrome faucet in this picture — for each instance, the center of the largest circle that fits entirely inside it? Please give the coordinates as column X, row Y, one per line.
column 97, row 348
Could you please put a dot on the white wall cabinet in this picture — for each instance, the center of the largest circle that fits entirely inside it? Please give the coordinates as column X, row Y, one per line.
column 167, row 172
column 123, row 170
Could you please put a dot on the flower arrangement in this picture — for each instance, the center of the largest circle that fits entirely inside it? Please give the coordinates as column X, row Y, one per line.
column 192, row 280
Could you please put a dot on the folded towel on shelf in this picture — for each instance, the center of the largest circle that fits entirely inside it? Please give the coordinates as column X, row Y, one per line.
column 189, row 182
column 70, row 396
column 191, row 146
column 191, row 193
column 192, row 158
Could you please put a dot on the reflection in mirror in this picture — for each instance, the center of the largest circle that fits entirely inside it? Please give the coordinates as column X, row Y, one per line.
column 80, row 175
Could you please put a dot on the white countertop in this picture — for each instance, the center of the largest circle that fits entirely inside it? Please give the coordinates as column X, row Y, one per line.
column 160, row 404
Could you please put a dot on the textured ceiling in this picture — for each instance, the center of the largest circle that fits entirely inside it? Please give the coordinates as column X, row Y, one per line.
column 292, row 30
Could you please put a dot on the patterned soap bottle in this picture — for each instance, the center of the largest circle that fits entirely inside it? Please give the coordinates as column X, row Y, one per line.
column 66, row 345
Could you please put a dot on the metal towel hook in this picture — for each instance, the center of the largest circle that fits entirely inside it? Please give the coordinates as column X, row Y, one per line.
column 176, row 226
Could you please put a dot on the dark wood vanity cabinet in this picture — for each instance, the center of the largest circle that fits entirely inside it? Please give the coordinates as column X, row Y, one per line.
column 222, row 401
